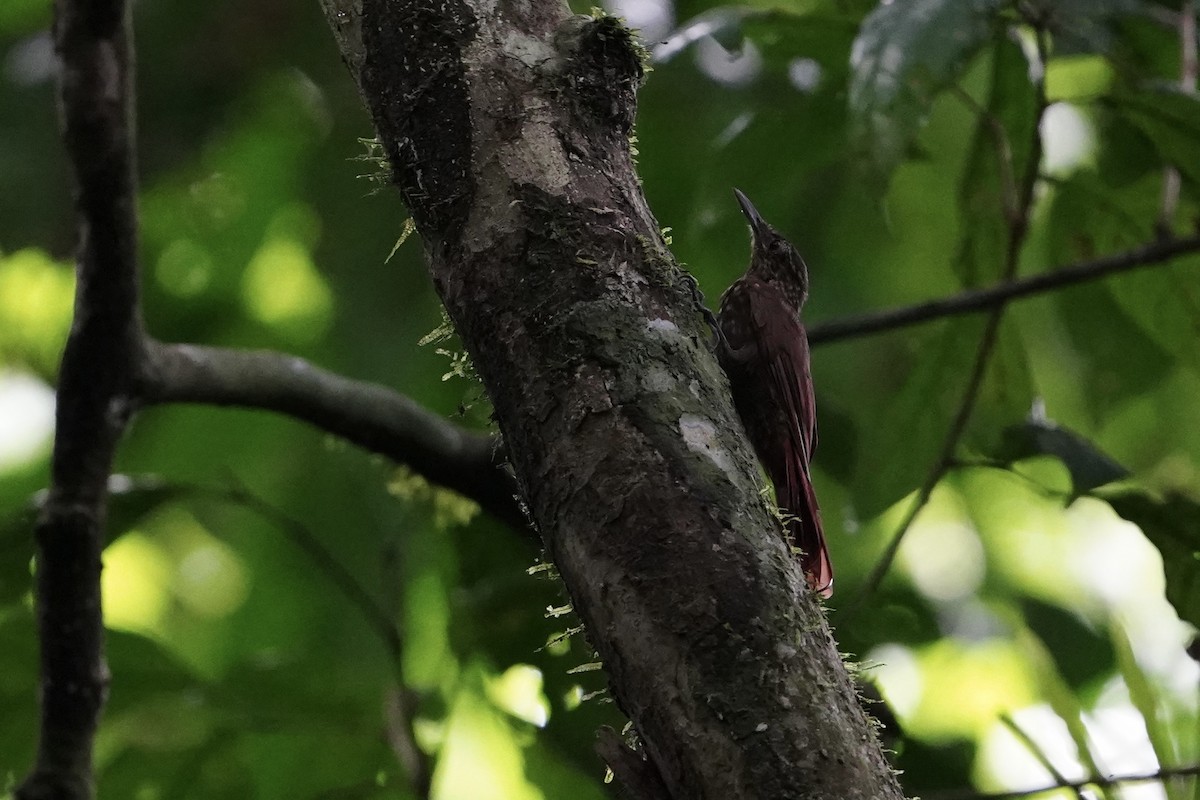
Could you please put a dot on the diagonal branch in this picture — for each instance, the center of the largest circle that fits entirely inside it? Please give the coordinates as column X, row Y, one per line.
column 399, row 702
column 1037, row 752
column 371, row 416
column 975, row 300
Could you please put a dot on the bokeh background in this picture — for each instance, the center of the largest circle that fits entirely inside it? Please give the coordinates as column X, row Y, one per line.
column 1028, row 630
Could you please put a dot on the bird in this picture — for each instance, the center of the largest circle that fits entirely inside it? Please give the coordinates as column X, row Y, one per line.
column 763, row 348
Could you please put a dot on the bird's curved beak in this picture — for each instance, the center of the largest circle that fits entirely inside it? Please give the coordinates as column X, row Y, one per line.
column 758, row 225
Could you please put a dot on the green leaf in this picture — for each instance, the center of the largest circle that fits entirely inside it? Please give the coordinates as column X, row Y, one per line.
column 132, row 497
column 1081, row 26
column 1142, row 695
column 997, row 160
column 904, row 55
column 1088, row 465
column 1057, row 692
column 21, row 16
column 1122, row 363
column 1170, row 120
column 1083, row 657
column 1077, row 78
column 935, row 766
column 146, row 669
column 899, row 614
column 1172, row 524
column 783, row 37
column 16, row 550
column 901, row 440
column 18, row 690
column 1007, row 392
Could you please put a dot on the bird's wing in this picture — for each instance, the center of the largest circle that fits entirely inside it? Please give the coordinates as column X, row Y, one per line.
column 782, row 345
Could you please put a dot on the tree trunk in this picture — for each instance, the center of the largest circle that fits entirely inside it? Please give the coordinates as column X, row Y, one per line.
column 507, row 126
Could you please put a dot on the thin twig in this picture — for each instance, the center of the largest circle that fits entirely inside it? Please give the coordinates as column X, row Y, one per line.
column 400, row 702
column 399, row 713
column 1097, row 781
column 325, row 562
column 1018, row 228
column 1130, row 226
column 941, row 464
column 975, row 300
column 1004, row 155
column 1037, row 752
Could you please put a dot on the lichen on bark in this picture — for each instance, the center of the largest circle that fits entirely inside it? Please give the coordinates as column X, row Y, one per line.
column 508, row 125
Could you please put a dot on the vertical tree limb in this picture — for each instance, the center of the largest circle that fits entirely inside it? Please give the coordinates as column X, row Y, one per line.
column 95, row 392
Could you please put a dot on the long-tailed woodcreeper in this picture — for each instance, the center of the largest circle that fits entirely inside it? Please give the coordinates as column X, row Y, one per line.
column 763, row 349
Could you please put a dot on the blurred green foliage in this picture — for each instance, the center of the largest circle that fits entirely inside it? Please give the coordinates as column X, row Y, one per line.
column 884, row 141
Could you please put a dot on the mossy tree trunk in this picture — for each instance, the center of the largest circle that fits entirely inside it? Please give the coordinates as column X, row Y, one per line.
column 507, row 126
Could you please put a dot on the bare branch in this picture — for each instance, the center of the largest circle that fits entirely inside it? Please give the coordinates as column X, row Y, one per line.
column 976, row 300
column 372, row 416
column 95, row 383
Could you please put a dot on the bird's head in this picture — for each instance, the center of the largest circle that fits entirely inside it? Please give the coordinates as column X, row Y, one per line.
column 772, row 257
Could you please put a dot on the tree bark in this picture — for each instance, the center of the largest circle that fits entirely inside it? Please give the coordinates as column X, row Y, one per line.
column 95, row 393
column 507, row 126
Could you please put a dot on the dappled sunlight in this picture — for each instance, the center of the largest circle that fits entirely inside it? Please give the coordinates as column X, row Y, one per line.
column 519, row 692
column 736, row 67
column 283, row 290
column 573, row 698
column 1023, row 528
column 942, row 552
column 481, row 759
column 1082, row 557
column 289, row 613
column 1069, row 136
column 427, row 655
column 36, row 298
column 1111, row 560
column 897, row 672
column 26, row 418
column 1160, row 640
column 1006, row 762
column 1117, row 735
column 136, row 583
column 967, row 685
column 1078, row 77
column 171, row 564
column 184, row 268
column 210, row 578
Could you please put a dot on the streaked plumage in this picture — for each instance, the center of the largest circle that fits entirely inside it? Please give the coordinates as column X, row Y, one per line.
column 765, row 354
